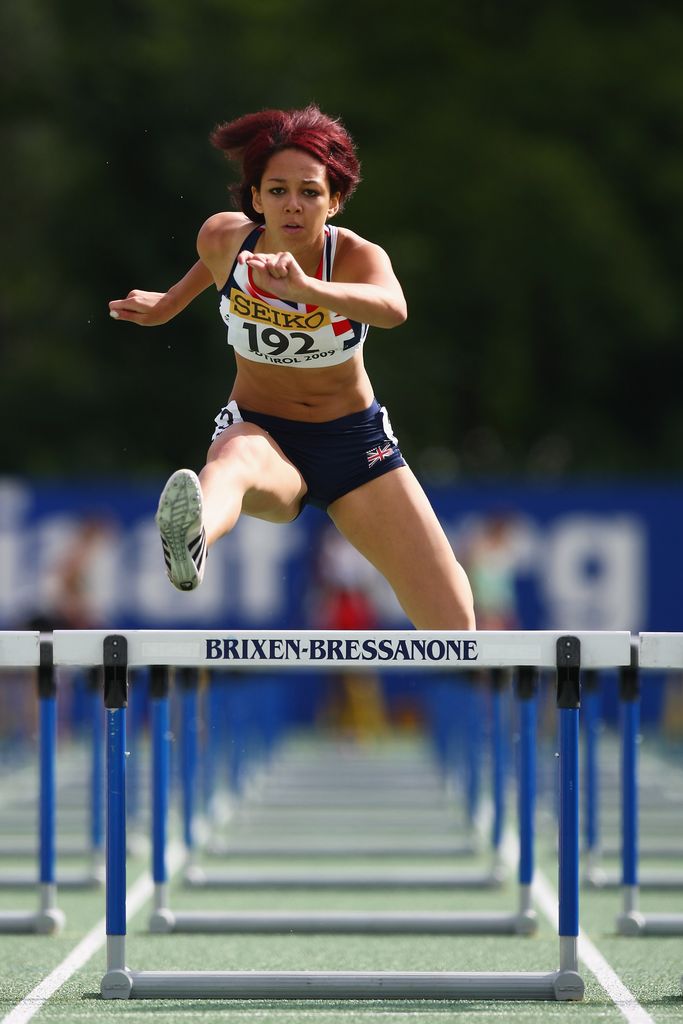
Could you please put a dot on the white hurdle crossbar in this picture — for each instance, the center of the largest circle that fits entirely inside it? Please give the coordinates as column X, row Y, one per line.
column 566, row 653
column 655, row 651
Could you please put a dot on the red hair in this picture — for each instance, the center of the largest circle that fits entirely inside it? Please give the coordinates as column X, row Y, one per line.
column 252, row 140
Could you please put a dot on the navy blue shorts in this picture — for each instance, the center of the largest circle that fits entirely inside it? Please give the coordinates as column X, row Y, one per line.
column 333, row 457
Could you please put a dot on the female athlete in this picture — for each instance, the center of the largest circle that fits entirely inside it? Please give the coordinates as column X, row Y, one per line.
column 301, row 423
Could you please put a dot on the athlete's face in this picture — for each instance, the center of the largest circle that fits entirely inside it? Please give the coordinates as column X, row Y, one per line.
column 294, row 196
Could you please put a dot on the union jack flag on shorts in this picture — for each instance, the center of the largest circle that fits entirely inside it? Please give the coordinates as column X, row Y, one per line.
column 379, row 454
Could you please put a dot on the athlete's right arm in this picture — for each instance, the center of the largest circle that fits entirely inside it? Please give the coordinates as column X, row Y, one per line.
column 218, row 242
column 149, row 309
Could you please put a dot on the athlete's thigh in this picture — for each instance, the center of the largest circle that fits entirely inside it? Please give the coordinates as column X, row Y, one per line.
column 249, row 459
column 390, row 521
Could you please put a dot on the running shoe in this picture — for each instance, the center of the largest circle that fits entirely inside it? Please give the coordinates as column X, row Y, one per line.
column 183, row 538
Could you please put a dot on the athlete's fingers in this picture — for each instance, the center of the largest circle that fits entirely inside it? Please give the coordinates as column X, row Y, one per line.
column 269, row 263
column 122, row 309
column 136, row 307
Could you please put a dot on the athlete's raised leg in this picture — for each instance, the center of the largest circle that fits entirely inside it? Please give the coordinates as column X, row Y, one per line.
column 245, row 471
column 390, row 521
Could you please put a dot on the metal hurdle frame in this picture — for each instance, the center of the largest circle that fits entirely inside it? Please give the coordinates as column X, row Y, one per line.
column 564, row 653
column 654, row 651
column 29, row 650
column 522, row 921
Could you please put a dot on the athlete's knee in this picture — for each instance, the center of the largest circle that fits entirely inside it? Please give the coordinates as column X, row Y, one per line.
column 241, row 454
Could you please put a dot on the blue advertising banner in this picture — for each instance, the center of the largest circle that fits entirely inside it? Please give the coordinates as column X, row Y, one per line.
column 565, row 556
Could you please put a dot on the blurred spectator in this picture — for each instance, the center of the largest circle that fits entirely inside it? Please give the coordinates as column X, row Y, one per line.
column 490, row 559
column 343, row 599
column 71, row 585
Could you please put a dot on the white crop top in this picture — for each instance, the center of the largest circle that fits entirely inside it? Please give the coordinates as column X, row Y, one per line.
column 266, row 329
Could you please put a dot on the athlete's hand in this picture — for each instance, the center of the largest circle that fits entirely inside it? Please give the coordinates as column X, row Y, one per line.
column 147, row 309
column 276, row 272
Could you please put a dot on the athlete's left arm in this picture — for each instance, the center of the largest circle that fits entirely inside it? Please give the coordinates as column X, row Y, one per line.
column 364, row 288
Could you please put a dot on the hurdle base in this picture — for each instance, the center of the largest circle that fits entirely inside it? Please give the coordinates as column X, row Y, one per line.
column 651, row 924
column 526, row 922
column 165, row 921
column 648, row 881
column 70, row 880
column 122, row 983
column 195, row 877
column 50, row 921
column 630, row 923
column 330, row 850
column 45, row 922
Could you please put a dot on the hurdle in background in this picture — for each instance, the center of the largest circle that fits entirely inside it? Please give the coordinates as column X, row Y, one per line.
column 93, row 849
column 564, row 653
column 358, row 802
column 523, row 920
column 265, row 786
column 270, row 793
column 595, row 876
column 19, row 650
column 654, row 651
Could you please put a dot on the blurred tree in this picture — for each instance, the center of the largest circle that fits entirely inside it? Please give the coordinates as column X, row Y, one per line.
column 522, row 167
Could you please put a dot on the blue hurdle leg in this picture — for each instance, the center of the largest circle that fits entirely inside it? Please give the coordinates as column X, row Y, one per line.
column 499, row 767
column 590, row 699
column 49, row 918
column 117, row 978
column 473, row 748
column 189, row 744
column 630, row 921
column 162, row 917
column 568, row 703
column 95, row 717
column 527, row 683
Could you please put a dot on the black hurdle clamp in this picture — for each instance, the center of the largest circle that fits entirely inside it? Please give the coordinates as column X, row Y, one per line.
column 187, row 677
column 498, row 679
column 629, row 676
column 158, row 681
column 526, row 681
column 115, row 662
column 568, row 672
column 47, row 681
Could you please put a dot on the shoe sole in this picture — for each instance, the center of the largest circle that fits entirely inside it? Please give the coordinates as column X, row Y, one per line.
column 180, row 508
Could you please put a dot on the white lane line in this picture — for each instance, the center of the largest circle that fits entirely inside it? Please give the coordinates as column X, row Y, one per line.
column 546, row 898
column 621, row 996
column 136, row 897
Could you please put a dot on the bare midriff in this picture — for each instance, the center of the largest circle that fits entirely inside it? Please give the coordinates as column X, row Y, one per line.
column 307, row 395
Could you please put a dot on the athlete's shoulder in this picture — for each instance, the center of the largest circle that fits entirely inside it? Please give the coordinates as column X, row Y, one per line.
column 220, row 233
column 355, row 253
